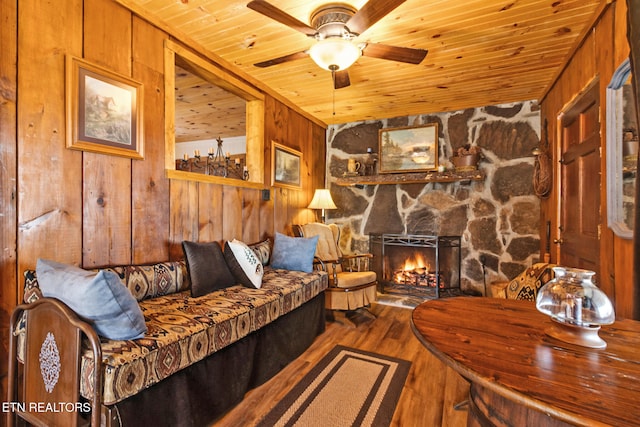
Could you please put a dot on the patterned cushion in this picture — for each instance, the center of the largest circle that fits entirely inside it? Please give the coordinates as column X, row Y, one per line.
column 143, row 281
column 525, row 286
column 262, row 250
column 183, row 330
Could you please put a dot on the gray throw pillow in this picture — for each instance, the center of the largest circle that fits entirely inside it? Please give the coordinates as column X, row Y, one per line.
column 294, row 253
column 207, row 267
column 99, row 297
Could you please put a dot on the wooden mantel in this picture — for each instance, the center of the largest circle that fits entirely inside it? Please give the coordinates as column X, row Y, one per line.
column 412, row 178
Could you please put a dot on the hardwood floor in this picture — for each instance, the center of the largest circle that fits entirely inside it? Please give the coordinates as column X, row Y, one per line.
column 429, row 394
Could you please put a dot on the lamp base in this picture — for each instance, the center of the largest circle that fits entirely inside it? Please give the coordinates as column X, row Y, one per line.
column 585, row 336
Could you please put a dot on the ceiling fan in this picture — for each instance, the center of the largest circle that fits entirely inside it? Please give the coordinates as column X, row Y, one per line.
column 335, row 27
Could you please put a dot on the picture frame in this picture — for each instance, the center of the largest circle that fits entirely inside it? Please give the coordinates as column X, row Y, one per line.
column 408, row 149
column 285, row 164
column 103, row 110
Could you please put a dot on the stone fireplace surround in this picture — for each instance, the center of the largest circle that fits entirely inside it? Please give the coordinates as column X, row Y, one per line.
column 498, row 218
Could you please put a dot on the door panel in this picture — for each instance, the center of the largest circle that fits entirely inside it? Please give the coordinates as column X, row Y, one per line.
column 580, row 184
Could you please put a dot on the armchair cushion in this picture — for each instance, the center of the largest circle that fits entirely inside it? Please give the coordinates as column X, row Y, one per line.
column 327, row 249
column 356, row 278
column 294, row 253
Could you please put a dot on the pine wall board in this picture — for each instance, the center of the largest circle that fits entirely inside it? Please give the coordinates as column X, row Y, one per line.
column 93, row 209
column 596, row 58
column 8, row 174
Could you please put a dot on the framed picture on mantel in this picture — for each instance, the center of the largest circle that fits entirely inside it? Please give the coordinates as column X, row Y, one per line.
column 408, row 149
column 103, row 110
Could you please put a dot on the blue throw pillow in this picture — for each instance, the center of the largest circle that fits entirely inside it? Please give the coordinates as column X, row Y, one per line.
column 294, row 253
column 99, row 297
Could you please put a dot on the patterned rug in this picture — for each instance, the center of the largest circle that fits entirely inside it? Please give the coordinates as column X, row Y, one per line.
column 348, row 387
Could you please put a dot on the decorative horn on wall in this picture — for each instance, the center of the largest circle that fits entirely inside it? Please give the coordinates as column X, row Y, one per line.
column 633, row 36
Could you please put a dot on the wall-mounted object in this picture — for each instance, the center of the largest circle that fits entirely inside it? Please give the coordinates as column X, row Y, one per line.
column 285, row 165
column 408, row 149
column 622, row 142
column 103, row 110
column 543, row 170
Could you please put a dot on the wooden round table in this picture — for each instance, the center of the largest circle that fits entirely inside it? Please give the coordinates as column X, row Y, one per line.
column 520, row 376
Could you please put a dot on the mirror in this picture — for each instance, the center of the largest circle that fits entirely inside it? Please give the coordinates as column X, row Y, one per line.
column 622, row 152
column 210, row 127
column 213, row 122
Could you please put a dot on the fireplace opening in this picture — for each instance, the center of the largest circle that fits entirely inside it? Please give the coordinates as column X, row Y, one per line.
column 418, row 265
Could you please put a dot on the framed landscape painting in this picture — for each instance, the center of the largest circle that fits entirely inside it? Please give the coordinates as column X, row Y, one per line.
column 408, row 149
column 103, row 110
column 286, row 164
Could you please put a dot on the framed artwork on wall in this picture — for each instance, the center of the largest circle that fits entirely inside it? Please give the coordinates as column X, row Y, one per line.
column 285, row 163
column 408, row 149
column 103, row 110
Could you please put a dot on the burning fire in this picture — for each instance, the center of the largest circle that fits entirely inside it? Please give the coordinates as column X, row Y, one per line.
column 416, row 271
column 415, row 262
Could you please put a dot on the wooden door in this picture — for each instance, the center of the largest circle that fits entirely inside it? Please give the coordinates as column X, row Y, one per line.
column 580, row 184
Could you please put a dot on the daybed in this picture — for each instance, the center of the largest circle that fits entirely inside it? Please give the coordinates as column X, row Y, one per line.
column 199, row 355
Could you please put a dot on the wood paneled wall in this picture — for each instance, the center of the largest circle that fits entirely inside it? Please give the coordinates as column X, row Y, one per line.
column 92, row 209
column 602, row 50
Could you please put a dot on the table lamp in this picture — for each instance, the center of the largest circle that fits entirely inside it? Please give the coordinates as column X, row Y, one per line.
column 322, row 200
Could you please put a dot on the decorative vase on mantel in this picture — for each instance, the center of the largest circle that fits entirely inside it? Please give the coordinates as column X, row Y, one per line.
column 466, row 158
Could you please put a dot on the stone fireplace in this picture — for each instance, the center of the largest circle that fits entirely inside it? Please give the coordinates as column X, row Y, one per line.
column 417, row 265
column 497, row 218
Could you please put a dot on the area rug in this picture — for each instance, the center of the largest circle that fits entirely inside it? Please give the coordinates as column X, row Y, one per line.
column 348, row 387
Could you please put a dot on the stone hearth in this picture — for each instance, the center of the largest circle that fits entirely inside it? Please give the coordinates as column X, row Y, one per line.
column 498, row 218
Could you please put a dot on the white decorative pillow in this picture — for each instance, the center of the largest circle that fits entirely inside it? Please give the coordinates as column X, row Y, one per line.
column 243, row 263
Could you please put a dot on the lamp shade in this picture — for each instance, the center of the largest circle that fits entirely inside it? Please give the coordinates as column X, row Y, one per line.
column 334, row 53
column 322, row 200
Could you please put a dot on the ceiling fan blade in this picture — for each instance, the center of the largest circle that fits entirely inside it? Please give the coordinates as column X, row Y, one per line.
column 282, row 17
column 370, row 13
column 394, row 53
column 341, row 79
column 282, row 59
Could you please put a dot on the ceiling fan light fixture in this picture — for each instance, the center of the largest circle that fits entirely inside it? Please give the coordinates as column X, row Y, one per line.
column 334, row 53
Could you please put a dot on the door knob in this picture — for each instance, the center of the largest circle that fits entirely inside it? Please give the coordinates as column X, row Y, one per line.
column 558, row 241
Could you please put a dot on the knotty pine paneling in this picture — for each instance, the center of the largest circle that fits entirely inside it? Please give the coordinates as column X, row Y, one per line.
column 232, row 212
column 50, row 178
column 107, row 179
column 210, row 212
column 604, row 63
column 8, row 175
column 110, row 209
column 597, row 57
column 149, row 185
column 91, row 209
column 250, row 215
column 183, row 215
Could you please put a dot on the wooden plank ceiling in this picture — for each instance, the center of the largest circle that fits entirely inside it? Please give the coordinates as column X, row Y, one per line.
column 481, row 52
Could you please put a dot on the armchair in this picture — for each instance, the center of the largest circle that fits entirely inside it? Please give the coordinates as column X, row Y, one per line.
column 351, row 284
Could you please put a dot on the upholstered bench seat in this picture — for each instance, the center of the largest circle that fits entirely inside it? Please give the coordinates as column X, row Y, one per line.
column 183, row 330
